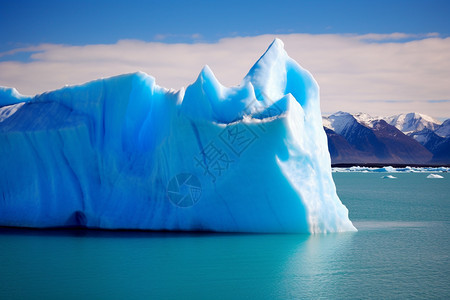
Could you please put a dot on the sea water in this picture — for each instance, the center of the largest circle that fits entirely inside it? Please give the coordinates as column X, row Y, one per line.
column 401, row 250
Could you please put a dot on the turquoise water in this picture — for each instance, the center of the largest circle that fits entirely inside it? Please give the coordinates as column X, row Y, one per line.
column 401, row 251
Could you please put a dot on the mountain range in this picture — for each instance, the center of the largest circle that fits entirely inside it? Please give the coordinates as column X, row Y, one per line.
column 411, row 138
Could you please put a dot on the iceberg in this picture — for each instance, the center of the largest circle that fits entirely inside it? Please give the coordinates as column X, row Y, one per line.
column 125, row 153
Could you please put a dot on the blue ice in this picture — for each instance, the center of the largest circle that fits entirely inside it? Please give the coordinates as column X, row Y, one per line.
column 125, row 153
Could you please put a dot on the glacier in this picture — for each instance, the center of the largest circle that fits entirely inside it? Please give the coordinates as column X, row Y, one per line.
column 125, row 153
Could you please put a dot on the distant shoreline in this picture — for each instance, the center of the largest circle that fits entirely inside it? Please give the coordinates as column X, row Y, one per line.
column 381, row 165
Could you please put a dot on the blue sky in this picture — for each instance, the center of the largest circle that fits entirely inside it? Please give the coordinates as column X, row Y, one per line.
column 90, row 22
column 34, row 35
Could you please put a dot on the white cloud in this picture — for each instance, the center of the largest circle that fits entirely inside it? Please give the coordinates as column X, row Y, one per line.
column 377, row 74
column 394, row 36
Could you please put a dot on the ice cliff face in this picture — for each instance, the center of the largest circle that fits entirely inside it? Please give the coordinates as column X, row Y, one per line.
column 413, row 122
column 125, row 153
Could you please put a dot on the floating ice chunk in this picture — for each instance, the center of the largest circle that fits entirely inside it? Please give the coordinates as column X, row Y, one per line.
column 434, row 176
column 388, row 169
column 389, row 177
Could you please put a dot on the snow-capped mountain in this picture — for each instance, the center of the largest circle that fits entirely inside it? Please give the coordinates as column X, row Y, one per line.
column 358, row 135
column 429, row 132
column 366, row 119
column 399, row 146
column 426, row 136
column 444, row 129
column 404, row 138
column 412, row 122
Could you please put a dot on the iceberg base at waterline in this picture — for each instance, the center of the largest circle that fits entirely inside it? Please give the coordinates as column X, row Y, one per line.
column 124, row 153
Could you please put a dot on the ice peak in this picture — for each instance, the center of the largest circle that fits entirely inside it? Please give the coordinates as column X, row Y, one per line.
column 208, row 82
column 277, row 45
column 206, row 70
column 271, row 56
column 269, row 74
column 9, row 96
column 207, row 74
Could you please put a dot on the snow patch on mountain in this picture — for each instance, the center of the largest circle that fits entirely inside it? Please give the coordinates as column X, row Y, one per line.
column 339, row 121
column 412, row 122
column 444, row 129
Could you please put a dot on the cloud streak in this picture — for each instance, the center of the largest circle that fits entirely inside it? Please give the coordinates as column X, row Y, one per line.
column 355, row 72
